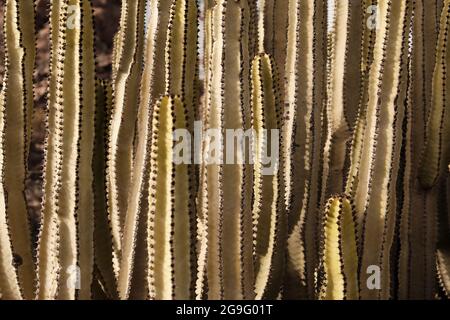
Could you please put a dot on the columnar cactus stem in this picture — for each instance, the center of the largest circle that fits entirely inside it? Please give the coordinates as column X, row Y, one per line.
column 225, row 195
column 106, row 275
column 295, row 152
column 169, row 211
column 378, row 165
column 365, row 130
column 182, row 73
column 417, row 259
column 354, row 55
column 20, row 53
column 9, row 282
column 70, row 201
column 423, row 267
column 213, row 172
column 275, row 23
column 48, row 267
column 253, row 28
column 302, row 131
column 268, row 206
column 181, row 53
column 85, row 193
column 202, row 207
column 406, row 190
column 334, row 153
column 436, row 157
column 127, row 68
column 339, row 258
column 150, row 90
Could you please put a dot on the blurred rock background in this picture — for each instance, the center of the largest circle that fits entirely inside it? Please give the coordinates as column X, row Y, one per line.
column 106, row 14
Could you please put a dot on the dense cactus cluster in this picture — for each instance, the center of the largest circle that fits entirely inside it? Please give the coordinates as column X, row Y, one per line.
column 352, row 97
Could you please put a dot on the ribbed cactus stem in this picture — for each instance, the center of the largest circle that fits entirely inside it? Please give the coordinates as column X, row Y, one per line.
column 48, row 267
column 435, row 158
column 65, row 135
column 268, row 213
column 150, row 89
column 295, row 150
column 9, row 284
column 274, row 20
column 354, row 55
column 227, row 200
column 181, row 53
column 302, row 142
column 378, row 167
column 69, row 205
column 20, row 53
column 202, row 207
column 169, row 270
column 182, row 72
column 106, row 275
column 225, row 188
column 298, row 153
column 127, row 68
column 339, row 257
column 334, row 153
column 85, row 193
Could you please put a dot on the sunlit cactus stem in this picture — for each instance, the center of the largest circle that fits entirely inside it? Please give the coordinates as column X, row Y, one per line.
column 169, row 210
column 338, row 270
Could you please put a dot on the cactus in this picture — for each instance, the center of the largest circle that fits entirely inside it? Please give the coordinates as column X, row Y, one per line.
column 225, row 225
column 104, row 271
column 66, row 241
column 149, row 92
column 435, row 156
column 169, row 207
column 349, row 103
column 18, row 95
column 9, row 282
column 302, row 135
column 443, row 265
column 127, row 65
column 419, row 216
column 376, row 206
column 269, row 222
column 339, row 258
